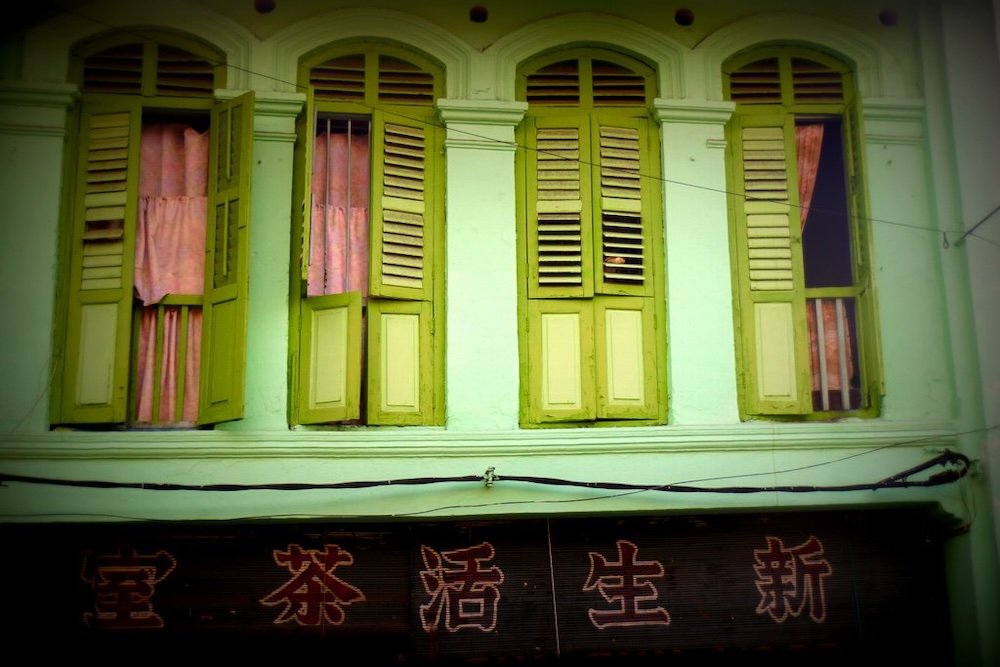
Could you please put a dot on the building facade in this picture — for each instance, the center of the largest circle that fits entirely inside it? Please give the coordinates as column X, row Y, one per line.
column 562, row 331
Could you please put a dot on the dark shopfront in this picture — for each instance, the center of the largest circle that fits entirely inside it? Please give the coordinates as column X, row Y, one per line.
column 775, row 589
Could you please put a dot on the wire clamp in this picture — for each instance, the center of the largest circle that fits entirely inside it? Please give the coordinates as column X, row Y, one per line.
column 489, row 477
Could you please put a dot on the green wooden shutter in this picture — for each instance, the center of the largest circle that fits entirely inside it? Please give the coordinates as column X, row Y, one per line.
column 769, row 266
column 869, row 332
column 404, row 218
column 95, row 377
column 400, row 362
column 626, row 203
column 223, row 360
column 329, row 386
column 402, row 207
column 559, row 229
column 626, row 358
column 561, row 360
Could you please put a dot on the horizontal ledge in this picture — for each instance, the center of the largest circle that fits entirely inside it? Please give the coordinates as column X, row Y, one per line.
column 377, row 443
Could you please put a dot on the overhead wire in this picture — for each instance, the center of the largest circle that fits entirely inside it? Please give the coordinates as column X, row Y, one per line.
column 517, row 146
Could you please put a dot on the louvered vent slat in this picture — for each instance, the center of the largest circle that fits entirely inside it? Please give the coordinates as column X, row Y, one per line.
column 557, row 84
column 769, row 253
column 403, row 207
column 815, row 82
column 559, row 205
column 340, row 79
column 404, row 83
column 104, row 201
column 621, row 206
column 179, row 72
column 756, row 83
column 115, row 70
column 617, row 85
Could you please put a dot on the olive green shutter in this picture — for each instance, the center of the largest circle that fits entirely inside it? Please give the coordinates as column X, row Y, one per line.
column 627, row 208
column 223, row 360
column 95, row 378
column 559, row 223
column 402, row 208
column 590, row 215
column 870, row 342
column 330, row 352
column 400, row 362
column 769, row 266
column 561, row 365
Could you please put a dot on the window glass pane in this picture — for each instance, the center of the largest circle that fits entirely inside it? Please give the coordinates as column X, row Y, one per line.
column 826, row 230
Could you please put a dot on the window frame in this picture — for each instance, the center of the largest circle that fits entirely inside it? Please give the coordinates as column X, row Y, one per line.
column 862, row 288
column 580, row 307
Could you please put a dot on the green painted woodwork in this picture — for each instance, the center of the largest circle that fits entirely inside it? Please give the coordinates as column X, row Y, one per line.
column 98, row 323
column 402, row 207
column 224, row 324
column 329, row 386
column 400, row 380
column 772, row 87
column 402, row 374
column 592, row 234
column 769, row 265
column 626, row 358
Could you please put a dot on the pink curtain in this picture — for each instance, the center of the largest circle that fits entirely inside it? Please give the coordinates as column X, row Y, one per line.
column 808, row 145
column 170, row 259
column 831, row 346
column 808, row 142
column 338, row 243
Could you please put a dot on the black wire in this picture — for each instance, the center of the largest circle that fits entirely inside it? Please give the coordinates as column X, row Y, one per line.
column 898, row 480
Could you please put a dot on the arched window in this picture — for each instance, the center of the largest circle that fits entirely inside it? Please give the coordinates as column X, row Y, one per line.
column 155, row 286
column 590, row 232
column 367, row 303
column 802, row 262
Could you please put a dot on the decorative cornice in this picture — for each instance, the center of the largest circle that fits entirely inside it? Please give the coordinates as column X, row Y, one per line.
column 481, row 112
column 893, row 121
column 32, row 109
column 687, row 111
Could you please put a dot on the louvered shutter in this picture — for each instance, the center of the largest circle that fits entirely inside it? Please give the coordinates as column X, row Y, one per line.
column 559, row 222
column 400, row 328
column 626, row 204
column 769, row 266
column 224, row 326
column 95, row 377
column 402, row 207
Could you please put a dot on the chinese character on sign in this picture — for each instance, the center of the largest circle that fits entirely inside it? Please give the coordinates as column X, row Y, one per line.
column 627, row 584
column 467, row 594
column 789, row 578
column 123, row 585
column 314, row 592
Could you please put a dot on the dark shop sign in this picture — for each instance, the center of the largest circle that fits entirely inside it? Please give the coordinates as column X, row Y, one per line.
column 492, row 588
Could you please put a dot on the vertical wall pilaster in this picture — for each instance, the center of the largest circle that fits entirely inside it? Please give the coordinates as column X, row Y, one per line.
column 33, row 121
column 481, row 345
column 701, row 343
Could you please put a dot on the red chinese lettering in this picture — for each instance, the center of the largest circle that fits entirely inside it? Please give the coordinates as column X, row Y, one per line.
column 313, row 593
column 787, row 579
column 625, row 583
column 466, row 595
column 123, row 585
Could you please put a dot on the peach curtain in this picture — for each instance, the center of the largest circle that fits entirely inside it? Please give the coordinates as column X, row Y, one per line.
column 338, row 237
column 808, row 145
column 170, row 259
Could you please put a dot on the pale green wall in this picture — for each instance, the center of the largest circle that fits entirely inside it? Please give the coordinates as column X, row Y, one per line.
column 929, row 108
